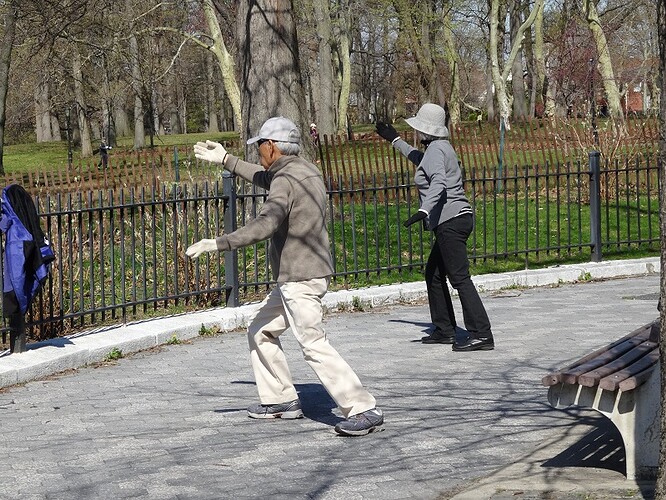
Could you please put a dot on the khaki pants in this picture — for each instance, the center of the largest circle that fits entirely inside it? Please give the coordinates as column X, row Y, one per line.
column 298, row 305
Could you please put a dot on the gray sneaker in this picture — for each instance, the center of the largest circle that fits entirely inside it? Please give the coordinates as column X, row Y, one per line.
column 361, row 424
column 290, row 409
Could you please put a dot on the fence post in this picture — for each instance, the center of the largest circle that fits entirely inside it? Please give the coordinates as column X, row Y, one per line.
column 230, row 256
column 595, row 205
column 175, row 163
column 17, row 336
column 500, row 160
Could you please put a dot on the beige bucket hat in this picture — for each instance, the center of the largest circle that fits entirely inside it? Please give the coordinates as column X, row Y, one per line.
column 431, row 120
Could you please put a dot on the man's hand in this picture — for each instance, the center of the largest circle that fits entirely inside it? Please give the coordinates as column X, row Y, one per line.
column 386, row 131
column 201, row 246
column 210, row 151
column 420, row 215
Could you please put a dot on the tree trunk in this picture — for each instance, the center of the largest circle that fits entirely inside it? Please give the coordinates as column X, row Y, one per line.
column 55, row 128
column 452, row 60
column 517, row 79
column 271, row 82
column 530, row 66
column 224, row 59
column 503, row 102
column 345, row 63
column 540, row 67
column 499, row 75
column 173, row 106
column 363, row 110
column 42, row 112
column 81, row 107
column 108, row 128
column 226, row 113
column 604, row 63
column 212, row 124
column 415, row 17
column 490, row 96
column 154, row 115
column 660, row 488
column 182, row 107
column 325, row 106
column 139, row 129
column 7, row 25
column 120, row 119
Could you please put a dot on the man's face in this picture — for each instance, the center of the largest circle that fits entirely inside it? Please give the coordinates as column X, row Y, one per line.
column 266, row 153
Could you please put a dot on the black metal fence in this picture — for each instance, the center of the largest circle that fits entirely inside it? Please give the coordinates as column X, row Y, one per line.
column 120, row 255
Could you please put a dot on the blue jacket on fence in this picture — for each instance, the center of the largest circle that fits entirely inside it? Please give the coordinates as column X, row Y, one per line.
column 28, row 254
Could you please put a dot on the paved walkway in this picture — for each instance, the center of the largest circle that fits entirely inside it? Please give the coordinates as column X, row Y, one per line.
column 171, row 423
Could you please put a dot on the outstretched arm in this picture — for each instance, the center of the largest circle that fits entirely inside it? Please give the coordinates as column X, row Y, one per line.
column 388, row 132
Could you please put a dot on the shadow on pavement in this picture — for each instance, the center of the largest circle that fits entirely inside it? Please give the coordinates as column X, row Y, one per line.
column 601, row 448
column 317, row 404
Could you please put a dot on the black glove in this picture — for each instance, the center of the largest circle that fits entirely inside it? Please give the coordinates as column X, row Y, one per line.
column 420, row 215
column 387, row 131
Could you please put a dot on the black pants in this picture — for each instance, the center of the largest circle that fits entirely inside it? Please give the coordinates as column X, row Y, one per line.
column 448, row 259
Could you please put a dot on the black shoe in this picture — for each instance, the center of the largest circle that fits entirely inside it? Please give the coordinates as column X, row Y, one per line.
column 439, row 339
column 475, row 344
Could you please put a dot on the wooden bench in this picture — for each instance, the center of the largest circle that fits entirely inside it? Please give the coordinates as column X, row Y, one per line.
column 622, row 382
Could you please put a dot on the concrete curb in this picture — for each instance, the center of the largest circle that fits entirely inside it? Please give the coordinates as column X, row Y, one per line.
column 57, row 355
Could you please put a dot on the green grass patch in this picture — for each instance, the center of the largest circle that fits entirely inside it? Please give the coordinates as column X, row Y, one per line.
column 113, row 355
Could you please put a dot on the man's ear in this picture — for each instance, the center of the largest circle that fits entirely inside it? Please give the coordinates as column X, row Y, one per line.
column 275, row 153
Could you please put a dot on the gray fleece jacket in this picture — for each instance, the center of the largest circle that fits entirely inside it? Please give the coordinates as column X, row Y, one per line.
column 293, row 217
column 438, row 179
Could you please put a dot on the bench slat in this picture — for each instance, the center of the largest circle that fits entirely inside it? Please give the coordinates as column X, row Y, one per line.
column 568, row 375
column 632, row 376
column 571, row 376
column 592, row 378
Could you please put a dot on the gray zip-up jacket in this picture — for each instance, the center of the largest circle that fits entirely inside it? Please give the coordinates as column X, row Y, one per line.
column 293, row 217
column 438, row 179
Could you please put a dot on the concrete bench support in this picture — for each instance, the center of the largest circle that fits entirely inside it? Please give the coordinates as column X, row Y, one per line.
column 635, row 413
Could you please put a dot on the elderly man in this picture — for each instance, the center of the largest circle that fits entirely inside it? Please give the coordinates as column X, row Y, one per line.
column 293, row 217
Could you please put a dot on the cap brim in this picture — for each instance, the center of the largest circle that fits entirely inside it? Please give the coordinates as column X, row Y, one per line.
column 253, row 140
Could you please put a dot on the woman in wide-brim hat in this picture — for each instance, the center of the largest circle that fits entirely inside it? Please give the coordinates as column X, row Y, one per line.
column 445, row 210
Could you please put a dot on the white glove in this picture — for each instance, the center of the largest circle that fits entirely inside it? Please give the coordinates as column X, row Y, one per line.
column 201, row 246
column 210, row 151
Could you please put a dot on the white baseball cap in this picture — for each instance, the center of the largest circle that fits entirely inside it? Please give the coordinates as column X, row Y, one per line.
column 278, row 129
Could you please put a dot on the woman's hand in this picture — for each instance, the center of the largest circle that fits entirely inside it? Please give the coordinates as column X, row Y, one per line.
column 420, row 215
column 386, row 131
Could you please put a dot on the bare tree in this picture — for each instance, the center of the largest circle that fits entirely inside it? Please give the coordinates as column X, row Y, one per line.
column 344, row 57
column 604, row 61
column 501, row 70
column 452, row 60
column 543, row 98
column 660, row 492
column 139, row 130
column 271, row 83
column 81, row 106
column 7, row 20
column 224, row 60
column 417, row 29
column 517, row 79
column 325, row 106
